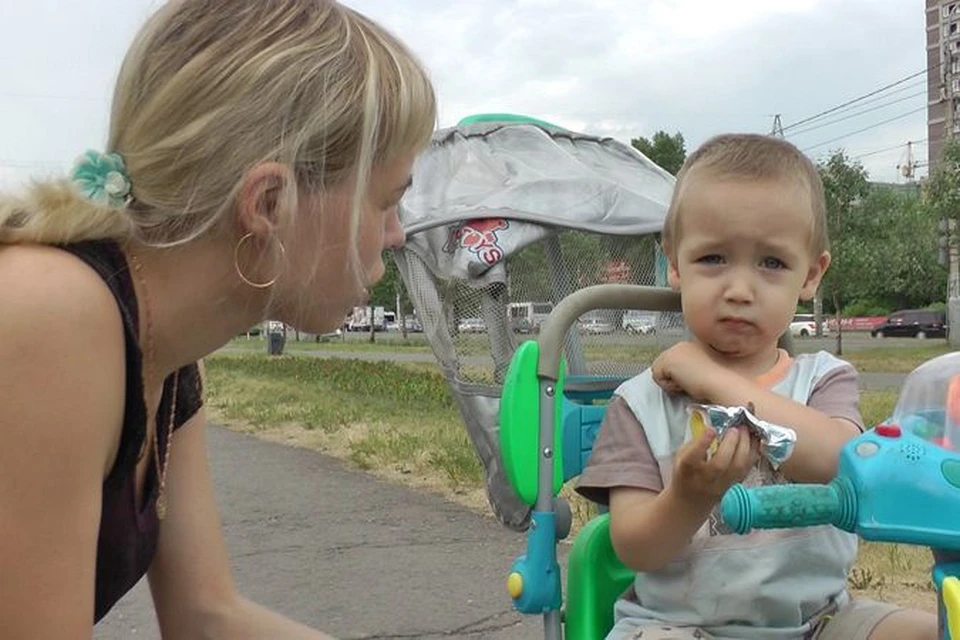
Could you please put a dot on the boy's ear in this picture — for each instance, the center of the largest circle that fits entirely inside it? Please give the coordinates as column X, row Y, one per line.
column 673, row 274
column 815, row 274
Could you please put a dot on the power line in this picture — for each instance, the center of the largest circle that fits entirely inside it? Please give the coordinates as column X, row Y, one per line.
column 820, row 125
column 879, row 98
column 873, row 126
column 885, row 149
column 860, row 98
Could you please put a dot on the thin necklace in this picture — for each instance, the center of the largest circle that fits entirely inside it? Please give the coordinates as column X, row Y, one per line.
column 149, row 374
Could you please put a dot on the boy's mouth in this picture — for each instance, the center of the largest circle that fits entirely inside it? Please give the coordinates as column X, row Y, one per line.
column 736, row 323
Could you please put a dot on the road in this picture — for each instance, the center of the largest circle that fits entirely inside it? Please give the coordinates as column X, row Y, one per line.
column 349, row 553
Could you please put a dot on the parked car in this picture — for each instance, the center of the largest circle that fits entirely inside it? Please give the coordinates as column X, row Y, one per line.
column 913, row 323
column 521, row 325
column 253, row 331
column 640, row 323
column 805, row 325
column 596, row 325
column 336, row 334
column 472, row 325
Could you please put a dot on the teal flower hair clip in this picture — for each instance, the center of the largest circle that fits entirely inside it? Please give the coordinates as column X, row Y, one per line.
column 103, row 178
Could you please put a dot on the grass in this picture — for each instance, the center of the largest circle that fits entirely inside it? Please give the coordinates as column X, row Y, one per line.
column 902, row 358
column 400, row 421
column 894, row 360
column 413, row 343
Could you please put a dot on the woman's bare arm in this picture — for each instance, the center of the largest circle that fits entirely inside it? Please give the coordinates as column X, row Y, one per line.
column 61, row 405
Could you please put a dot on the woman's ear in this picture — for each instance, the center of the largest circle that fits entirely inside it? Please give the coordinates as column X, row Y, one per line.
column 261, row 194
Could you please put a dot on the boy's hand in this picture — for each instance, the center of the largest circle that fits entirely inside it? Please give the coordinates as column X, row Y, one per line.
column 700, row 481
column 686, row 368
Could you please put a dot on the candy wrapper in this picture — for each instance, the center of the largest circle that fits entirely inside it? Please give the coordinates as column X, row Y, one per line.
column 777, row 441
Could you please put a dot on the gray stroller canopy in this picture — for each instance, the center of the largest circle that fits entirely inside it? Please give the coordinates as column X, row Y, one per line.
column 535, row 176
column 508, row 214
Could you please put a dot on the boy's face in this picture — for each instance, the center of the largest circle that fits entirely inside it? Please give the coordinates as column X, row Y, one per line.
column 741, row 261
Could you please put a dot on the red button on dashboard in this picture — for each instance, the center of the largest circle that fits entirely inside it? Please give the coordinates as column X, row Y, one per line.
column 888, row 430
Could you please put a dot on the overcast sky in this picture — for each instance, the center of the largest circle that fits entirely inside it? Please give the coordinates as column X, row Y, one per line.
column 622, row 68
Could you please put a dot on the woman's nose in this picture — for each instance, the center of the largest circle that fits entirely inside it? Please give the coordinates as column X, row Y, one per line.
column 393, row 234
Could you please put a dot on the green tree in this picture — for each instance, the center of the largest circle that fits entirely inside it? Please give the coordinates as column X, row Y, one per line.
column 386, row 292
column 667, row 151
column 941, row 193
column 882, row 242
column 895, row 263
column 845, row 186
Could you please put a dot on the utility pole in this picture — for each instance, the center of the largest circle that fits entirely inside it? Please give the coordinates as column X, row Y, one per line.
column 948, row 257
column 777, row 129
column 907, row 169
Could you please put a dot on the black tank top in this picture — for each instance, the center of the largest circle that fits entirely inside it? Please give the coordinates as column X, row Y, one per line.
column 128, row 538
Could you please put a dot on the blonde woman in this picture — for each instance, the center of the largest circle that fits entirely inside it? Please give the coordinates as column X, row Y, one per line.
column 256, row 155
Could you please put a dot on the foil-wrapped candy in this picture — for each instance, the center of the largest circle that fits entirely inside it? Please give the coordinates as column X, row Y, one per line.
column 778, row 441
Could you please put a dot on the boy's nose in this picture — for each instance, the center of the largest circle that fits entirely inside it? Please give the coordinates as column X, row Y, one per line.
column 739, row 288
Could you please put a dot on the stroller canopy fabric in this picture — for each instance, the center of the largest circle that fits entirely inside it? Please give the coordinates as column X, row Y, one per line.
column 524, row 178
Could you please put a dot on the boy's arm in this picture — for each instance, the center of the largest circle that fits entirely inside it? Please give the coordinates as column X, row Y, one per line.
column 820, row 437
column 649, row 530
column 624, row 474
column 821, row 431
column 650, row 525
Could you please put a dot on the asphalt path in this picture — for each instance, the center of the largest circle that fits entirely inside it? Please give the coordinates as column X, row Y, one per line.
column 348, row 553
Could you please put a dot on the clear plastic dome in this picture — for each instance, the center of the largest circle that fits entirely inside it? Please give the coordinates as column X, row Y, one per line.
column 929, row 402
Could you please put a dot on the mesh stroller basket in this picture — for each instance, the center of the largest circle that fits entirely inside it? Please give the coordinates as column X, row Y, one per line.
column 507, row 216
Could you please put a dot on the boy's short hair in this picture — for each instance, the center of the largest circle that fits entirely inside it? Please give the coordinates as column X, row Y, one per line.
column 751, row 156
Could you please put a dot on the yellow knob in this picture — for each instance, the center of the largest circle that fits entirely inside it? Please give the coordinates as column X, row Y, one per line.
column 951, row 601
column 515, row 585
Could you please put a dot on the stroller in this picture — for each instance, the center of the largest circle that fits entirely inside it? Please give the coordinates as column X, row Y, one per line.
column 506, row 217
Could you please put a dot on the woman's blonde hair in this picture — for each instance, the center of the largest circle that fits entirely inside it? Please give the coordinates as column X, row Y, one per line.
column 211, row 88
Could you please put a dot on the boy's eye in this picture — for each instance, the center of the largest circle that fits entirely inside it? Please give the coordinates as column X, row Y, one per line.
column 712, row 258
column 772, row 263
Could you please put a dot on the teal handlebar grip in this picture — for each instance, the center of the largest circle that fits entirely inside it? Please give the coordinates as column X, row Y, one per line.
column 785, row 506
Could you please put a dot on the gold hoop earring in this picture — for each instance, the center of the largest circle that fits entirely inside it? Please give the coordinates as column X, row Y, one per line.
column 236, row 264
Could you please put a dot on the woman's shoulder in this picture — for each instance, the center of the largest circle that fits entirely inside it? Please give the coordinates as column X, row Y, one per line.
column 48, row 287
column 62, row 332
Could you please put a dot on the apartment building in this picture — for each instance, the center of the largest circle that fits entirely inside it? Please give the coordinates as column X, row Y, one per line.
column 943, row 74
